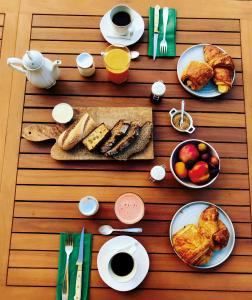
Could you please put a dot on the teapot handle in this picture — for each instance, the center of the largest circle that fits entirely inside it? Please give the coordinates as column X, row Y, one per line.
column 17, row 64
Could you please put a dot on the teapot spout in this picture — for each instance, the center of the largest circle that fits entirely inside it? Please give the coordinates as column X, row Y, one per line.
column 56, row 63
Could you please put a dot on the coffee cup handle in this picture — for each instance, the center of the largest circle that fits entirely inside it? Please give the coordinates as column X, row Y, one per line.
column 191, row 129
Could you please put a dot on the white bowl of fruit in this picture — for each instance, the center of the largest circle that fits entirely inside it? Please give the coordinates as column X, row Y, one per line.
column 195, row 164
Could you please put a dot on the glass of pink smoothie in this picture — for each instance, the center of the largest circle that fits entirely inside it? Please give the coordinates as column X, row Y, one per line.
column 129, row 208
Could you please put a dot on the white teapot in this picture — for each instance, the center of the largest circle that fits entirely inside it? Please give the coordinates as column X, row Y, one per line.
column 39, row 70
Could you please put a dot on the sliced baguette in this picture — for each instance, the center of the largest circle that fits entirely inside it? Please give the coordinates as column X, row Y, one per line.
column 76, row 132
column 139, row 144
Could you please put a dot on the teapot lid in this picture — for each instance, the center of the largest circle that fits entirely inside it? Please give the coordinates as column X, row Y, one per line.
column 32, row 60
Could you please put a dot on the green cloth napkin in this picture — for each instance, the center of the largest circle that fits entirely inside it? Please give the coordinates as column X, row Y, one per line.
column 170, row 32
column 72, row 266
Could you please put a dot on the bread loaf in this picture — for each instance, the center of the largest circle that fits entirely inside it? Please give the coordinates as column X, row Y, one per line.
column 139, row 144
column 76, row 132
column 126, row 141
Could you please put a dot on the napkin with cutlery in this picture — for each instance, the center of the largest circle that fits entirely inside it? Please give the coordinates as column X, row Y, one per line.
column 170, row 33
column 72, row 265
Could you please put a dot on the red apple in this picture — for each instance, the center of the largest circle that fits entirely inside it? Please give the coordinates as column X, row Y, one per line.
column 199, row 173
column 188, row 152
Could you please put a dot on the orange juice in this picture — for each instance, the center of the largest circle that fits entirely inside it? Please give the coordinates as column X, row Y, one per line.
column 117, row 61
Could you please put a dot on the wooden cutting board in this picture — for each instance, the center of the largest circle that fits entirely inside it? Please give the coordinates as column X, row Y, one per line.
column 108, row 115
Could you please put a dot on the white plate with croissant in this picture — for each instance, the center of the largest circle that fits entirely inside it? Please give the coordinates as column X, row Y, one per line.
column 206, row 71
column 202, row 235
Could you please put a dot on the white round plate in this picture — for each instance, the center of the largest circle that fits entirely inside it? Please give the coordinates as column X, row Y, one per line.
column 189, row 214
column 196, row 53
column 107, row 30
column 140, row 255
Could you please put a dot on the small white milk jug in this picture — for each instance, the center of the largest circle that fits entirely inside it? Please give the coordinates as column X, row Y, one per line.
column 39, row 70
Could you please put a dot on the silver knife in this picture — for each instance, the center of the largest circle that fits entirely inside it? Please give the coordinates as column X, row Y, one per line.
column 156, row 32
column 79, row 270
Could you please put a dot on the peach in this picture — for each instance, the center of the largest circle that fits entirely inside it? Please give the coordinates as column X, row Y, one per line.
column 180, row 170
column 199, row 173
column 188, row 152
column 214, row 161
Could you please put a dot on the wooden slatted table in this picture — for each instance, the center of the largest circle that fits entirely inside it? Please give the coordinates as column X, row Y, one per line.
column 41, row 194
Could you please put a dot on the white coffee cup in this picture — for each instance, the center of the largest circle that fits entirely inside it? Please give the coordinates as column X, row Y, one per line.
column 123, row 29
column 158, row 173
column 85, row 64
column 129, row 250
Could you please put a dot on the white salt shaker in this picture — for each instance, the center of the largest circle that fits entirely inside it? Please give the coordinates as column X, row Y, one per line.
column 88, row 206
column 158, row 173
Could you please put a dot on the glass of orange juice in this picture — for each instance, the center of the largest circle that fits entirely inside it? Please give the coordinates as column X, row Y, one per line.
column 117, row 62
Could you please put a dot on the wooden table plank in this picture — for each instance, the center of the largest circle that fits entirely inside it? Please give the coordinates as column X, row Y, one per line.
column 97, row 47
column 142, row 63
column 50, row 242
column 76, row 34
column 160, row 118
column 231, row 106
column 71, row 74
column 24, row 293
column 71, row 211
column 157, row 195
column 93, row 22
column 44, row 161
column 158, row 262
column 41, row 225
column 157, row 280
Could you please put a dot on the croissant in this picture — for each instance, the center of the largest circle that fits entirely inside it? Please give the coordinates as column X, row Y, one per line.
column 197, row 75
column 222, row 65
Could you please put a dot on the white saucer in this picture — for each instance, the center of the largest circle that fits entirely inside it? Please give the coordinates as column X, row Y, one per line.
column 140, row 255
column 189, row 214
column 107, row 30
column 196, row 53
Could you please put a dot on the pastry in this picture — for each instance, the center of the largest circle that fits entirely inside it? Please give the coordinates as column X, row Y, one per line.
column 76, row 132
column 139, row 144
column 97, row 137
column 196, row 243
column 117, row 133
column 222, row 65
column 211, row 227
column 191, row 245
column 221, row 237
column 208, row 223
column 197, row 75
column 126, row 141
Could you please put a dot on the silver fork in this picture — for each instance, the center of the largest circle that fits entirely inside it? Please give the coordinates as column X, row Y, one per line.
column 68, row 250
column 163, row 44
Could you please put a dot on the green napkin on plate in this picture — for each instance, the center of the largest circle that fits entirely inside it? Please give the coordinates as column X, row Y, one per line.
column 170, row 32
column 72, row 266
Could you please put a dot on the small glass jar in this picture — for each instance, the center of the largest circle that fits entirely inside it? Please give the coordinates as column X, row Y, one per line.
column 158, row 89
column 85, row 64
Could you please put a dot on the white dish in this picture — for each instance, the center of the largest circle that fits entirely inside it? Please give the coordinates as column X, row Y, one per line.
column 109, row 33
column 196, row 53
column 140, row 255
column 189, row 214
column 174, row 158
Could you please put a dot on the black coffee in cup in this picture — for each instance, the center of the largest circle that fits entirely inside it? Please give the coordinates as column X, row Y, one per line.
column 122, row 264
column 121, row 18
